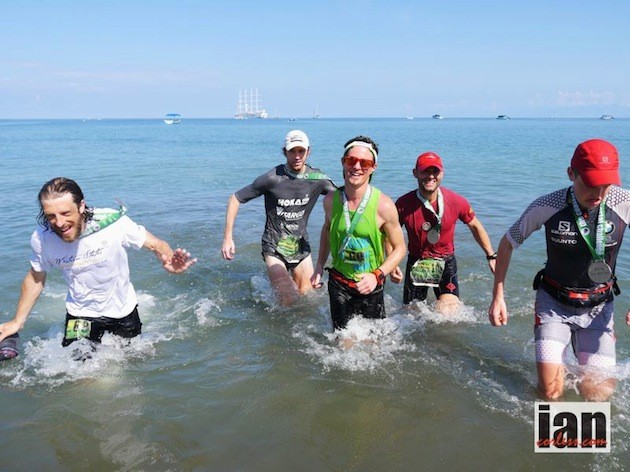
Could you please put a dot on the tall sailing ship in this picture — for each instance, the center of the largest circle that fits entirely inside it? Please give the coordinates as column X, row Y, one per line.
column 249, row 105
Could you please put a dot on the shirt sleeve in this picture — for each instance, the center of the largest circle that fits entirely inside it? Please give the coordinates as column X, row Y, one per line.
column 133, row 234
column 534, row 217
column 38, row 262
column 253, row 190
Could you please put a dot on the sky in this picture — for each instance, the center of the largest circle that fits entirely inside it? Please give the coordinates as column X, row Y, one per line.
column 354, row 58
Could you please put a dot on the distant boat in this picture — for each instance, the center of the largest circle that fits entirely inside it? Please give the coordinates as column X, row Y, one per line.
column 437, row 117
column 606, row 117
column 408, row 117
column 249, row 105
column 316, row 114
column 503, row 117
column 173, row 119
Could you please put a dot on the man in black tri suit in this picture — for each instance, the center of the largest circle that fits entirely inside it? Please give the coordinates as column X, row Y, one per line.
column 291, row 191
column 584, row 226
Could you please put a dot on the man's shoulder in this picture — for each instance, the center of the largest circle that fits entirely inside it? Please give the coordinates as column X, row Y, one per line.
column 406, row 198
column 556, row 199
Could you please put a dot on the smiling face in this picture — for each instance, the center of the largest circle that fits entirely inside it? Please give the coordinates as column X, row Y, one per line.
column 358, row 164
column 587, row 197
column 296, row 158
column 428, row 180
column 64, row 216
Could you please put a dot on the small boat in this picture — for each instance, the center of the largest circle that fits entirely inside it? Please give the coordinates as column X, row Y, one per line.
column 503, row 117
column 408, row 117
column 437, row 117
column 606, row 117
column 172, row 119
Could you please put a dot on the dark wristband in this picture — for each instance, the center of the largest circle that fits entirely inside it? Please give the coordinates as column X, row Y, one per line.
column 492, row 257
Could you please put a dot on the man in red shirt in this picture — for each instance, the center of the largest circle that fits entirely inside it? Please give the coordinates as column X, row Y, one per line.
column 429, row 214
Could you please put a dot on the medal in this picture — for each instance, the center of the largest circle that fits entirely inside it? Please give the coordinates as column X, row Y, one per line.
column 599, row 272
column 433, row 236
column 426, row 226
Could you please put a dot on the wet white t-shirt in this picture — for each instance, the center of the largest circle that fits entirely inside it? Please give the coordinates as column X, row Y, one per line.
column 95, row 267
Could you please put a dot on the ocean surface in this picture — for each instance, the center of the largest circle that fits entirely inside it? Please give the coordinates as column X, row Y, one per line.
column 222, row 378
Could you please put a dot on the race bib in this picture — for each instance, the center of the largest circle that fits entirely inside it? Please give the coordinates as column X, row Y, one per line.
column 289, row 248
column 77, row 329
column 427, row 272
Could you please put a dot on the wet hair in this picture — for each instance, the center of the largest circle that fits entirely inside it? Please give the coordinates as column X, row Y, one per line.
column 364, row 139
column 58, row 187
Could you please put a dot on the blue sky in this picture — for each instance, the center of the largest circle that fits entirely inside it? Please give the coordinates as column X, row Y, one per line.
column 136, row 58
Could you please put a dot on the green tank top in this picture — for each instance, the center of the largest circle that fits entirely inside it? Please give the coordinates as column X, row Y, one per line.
column 364, row 251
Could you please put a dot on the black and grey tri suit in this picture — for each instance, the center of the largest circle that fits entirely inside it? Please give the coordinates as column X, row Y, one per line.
column 289, row 201
column 568, row 256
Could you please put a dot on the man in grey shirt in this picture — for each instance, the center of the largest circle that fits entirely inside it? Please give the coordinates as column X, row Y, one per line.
column 291, row 191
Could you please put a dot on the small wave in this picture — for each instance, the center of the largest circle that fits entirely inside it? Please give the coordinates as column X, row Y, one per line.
column 363, row 345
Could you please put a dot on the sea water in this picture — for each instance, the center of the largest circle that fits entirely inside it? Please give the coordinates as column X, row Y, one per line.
column 223, row 378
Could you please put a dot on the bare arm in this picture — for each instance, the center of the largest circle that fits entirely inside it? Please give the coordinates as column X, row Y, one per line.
column 32, row 287
column 395, row 275
column 324, row 243
column 482, row 238
column 498, row 310
column 175, row 262
column 228, row 248
column 389, row 224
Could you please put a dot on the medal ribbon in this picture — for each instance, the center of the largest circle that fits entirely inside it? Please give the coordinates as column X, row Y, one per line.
column 351, row 225
column 306, row 175
column 428, row 206
column 101, row 219
column 598, row 252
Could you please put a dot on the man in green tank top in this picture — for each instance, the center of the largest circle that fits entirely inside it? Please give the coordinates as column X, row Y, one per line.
column 359, row 220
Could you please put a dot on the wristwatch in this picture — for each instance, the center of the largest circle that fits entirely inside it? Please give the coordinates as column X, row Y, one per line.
column 380, row 277
column 492, row 256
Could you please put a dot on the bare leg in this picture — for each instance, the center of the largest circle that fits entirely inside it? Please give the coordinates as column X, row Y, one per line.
column 302, row 275
column 281, row 281
column 447, row 304
column 550, row 380
column 596, row 388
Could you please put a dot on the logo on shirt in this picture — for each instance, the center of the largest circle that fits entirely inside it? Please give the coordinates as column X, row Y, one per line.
column 564, row 226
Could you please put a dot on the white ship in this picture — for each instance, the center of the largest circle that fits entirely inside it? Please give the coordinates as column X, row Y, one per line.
column 249, row 105
column 173, row 119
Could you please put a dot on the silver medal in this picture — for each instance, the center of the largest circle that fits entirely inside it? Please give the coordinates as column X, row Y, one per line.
column 599, row 272
column 426, row 226
column 433, row 236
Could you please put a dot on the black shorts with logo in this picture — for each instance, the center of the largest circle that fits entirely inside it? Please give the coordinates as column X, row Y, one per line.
column 448, row 282
column 127, row 327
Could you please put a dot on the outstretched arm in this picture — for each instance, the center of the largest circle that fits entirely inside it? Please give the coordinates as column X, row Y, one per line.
column 228, row 248
column 482, row 238
column 498, row 310
column 175, row 262
column 32, row 287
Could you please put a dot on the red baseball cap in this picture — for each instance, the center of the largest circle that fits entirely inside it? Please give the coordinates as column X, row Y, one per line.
column 597, row 162
column 428, row 159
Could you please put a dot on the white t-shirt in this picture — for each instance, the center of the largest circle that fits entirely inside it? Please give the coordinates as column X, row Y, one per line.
column 95, row 267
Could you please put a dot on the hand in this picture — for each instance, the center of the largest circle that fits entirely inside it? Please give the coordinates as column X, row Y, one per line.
column 316, row 278
column 8, row 328
column 367, row 284
column 497, row 312
column 492, row 263
column 179, row 262
column 228, row 249
column 396, row 275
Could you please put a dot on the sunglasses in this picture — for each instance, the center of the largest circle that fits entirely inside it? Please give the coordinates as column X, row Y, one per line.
column 352, row 161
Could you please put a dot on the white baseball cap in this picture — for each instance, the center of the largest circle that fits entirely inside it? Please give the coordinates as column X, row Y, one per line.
column 296, row 138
